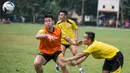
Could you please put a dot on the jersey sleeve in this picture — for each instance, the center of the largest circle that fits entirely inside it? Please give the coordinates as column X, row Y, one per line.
column 41, row 31
column 57, row 24
column 89, row 49
column 63, row 34
column 74, row 25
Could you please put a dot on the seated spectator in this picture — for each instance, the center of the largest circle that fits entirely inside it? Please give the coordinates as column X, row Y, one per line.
column 126, row 23
column 110, row 23
column 4, row 21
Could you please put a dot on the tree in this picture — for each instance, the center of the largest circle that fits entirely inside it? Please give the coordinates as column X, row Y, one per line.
column 126, row 8
column 38, row 7
column 82, row 21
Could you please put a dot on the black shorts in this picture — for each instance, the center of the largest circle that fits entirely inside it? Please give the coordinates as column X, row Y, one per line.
column 115, row 63
column 66, row 45
column 49, row 57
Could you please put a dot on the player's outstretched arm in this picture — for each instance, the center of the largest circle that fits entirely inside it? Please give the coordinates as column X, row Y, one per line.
column 79, row 59
column 41, row 36
column 76, row 57
column 76, row 35
column 65, row 36
column 70, row 41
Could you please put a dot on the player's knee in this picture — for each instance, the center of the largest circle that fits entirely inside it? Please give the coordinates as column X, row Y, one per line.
column 37, row 64
column 63, row 51
column 106, row 71
column 61, row 64
column 74, row 54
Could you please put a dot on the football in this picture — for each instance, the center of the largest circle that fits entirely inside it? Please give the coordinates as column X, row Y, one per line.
column 8, row 7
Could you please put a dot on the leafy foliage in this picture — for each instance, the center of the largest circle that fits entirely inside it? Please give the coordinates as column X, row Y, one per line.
column 31, row 7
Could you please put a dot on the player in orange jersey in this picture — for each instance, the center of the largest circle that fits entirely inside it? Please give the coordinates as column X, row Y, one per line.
column 50, row 45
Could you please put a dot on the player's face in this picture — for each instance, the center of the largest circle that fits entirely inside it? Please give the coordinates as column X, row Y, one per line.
column 62, row 16
column 48, row 22
column 86, row 39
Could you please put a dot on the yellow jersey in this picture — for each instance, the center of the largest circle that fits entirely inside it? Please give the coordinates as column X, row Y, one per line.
column 100, row 50
column 68, row 27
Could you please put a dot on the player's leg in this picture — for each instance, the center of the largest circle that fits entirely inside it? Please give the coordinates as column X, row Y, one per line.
column 74, row 52
column 105, row 71
column 57, row 59
column 63, row 66
column 57, row 68
column 118, row 63
column 63, row 48
column 107, row 67
column 39, row 61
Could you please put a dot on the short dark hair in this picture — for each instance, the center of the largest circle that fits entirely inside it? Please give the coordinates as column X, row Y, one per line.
column 48, row 16
column 64, row 11
column 91, row 35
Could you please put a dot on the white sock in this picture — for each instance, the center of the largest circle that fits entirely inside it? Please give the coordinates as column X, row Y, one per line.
column 80, row 69
column 57, row 65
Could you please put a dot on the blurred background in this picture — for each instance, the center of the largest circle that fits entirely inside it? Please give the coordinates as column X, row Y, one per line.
column 84, row 12
column 18, row 46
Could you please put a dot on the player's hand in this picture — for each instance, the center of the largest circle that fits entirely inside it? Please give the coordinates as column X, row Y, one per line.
column 51, row 37
column 79, row 43
column 76, row 40
column 71, row 63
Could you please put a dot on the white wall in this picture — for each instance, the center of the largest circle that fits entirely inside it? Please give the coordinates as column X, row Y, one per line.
column 108, row 4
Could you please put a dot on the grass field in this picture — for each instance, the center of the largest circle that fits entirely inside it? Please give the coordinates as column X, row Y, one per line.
column 18, row 48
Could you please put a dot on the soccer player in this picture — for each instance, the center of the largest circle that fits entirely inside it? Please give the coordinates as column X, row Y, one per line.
column 50, row 45
column 70, row 28
column 113, row 57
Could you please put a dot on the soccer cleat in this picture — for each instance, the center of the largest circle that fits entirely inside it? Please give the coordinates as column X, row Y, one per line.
column 81, row 71
column 57, row 68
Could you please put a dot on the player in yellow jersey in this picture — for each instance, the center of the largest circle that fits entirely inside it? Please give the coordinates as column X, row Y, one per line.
column 71, row 29
column 113, row 57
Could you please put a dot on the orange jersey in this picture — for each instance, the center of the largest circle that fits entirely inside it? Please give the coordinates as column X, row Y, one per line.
column 50, row 46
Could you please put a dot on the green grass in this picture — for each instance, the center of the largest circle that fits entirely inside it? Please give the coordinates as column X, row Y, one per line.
column 18, row 48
